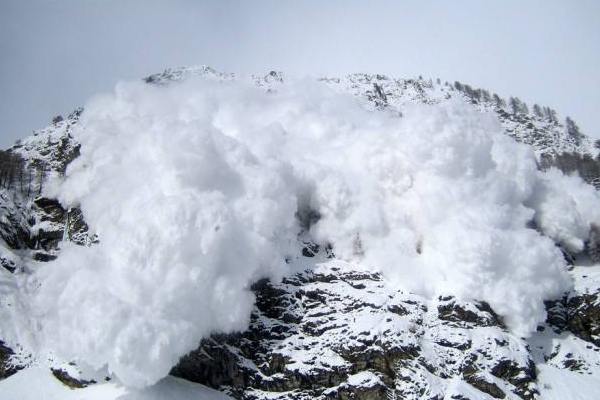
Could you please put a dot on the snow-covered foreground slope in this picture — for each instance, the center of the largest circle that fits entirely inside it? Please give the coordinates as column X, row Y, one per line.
column 35, row 383
column 444, row 241
column 560, row 384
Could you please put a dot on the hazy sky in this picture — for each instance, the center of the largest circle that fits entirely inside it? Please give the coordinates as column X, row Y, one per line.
column 55, row 54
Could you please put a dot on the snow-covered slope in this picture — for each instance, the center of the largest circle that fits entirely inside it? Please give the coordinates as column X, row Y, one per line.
column 436, row 242
column 35, row 383
column 545, row 135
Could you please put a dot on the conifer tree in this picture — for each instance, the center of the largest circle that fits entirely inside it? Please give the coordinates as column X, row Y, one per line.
column 500, row 103
column 485, row 95
column 550, row 115
column 572, row 128
column 514, row 105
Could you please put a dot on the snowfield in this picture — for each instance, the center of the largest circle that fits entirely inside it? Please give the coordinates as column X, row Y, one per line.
column 37, row 383
column 199, row 188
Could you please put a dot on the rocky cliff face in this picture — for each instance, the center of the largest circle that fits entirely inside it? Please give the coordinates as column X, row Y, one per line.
column 339, row 331
column 31, row 224
column 336, row 330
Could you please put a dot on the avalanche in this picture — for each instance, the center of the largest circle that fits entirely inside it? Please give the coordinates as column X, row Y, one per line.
column 194, row 189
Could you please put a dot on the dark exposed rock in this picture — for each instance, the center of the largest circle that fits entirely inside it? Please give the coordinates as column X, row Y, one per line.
column 43, row 256
column 56, row 217
column 68, row 380
column 50, row 211
column 6, row 368
column 374, row 390
column 460, row 346
column 520, row 377
column 310, row 249
column 556, row 313
column 578, row 313
column 484, row 385
column 9, row 265
column 584, row 317
column 398, row 309
column 483, row 315
column 573, row 364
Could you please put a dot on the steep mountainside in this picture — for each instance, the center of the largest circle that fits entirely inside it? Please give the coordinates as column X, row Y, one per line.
column 336, row 329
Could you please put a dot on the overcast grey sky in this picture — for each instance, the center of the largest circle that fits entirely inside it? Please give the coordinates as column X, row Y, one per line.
column 55, row 54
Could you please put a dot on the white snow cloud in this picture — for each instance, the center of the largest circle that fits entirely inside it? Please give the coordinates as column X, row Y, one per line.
column 193, row 189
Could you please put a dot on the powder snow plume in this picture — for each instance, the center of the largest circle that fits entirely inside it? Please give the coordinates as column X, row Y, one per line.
column 194, row 188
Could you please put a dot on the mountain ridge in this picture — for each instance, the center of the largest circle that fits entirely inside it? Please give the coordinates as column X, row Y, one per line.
column 301, row 343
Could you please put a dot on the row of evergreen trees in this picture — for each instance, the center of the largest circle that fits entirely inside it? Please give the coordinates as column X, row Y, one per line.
column 587, row 166
column 18, row 175
column 517, row 106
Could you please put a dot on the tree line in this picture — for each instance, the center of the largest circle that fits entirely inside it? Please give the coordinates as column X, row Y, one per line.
column 587, row 166
column 18, row 175
column 517, row 106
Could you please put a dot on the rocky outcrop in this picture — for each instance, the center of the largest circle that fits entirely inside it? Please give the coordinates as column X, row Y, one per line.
column 38, row 228
column 53, row 223
column 341, row 332
column 67, row 380
column 583, row 317
column 577, row 313
column 50, row 149
column 6, row 368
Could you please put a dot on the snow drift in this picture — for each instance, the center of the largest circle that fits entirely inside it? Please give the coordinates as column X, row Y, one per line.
column 194, row 188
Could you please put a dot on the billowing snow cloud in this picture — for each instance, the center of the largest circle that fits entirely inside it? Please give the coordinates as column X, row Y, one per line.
column 193, row 189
